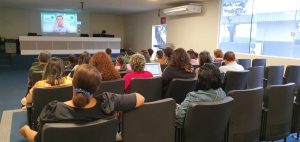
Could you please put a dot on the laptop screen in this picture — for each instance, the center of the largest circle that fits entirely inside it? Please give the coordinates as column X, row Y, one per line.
column 154, row 68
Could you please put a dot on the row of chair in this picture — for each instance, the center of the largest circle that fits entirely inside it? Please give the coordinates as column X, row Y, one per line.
column 251, row 78
column 261, row 77
column 177, row 89
column 246, row 63
column 248, row 79
column 240, row 117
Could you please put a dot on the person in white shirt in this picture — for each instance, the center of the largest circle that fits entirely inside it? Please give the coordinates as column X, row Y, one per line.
column 230, row 63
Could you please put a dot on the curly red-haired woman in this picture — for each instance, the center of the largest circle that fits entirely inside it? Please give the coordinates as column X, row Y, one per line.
column 105, row 66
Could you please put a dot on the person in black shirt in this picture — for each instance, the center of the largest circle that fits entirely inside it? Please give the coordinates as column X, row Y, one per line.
column 179, row 67
column 84, row 106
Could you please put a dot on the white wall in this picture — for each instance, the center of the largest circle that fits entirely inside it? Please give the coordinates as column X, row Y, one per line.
column 18, row 22
column 198, row 32
column 138, row 30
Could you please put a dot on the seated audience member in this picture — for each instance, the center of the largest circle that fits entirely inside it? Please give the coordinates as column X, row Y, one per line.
column 120, row 64
column 193, row 57
column 145, row 53
column 209, row 90
column 105, row 66
column 137, row 63
column 83, row 107
column 43, row 58
column 160, row 58
column 180, row 67
column 218, row 55
column 128, row 53
column 72, row 62
column 84, row 58
column 53, row 76
column 150, row 51
column 230, row 63
column 204, row 57
column 108, row 52
column 168, row 51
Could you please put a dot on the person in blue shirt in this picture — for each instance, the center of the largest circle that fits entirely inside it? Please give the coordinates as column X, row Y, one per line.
column 60, row 27
column 209, row 90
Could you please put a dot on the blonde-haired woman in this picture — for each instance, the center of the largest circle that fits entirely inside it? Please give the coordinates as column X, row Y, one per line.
column 137, row 63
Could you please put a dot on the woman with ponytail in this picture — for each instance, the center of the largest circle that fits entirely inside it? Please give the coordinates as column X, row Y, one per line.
column 84, row 106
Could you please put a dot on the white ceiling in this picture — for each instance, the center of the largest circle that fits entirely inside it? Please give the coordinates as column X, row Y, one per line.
column 99, row 6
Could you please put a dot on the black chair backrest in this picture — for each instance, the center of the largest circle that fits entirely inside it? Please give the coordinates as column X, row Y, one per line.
column 274, row 75
column 42, row 96
column 123, row 72
column 246, row 63
column 292, row 74
column 67, row 72
column 296, row 113
column 163, row 67
column 150, row 88
column 179, row 88
column 277, row 119
column 36, row 76
column 96, row 131
column 196, row 66
column 96, row 35
column 152, row 122
column 84, row 35
column 32, row 34
column 245, row 118
column 259, row 62
column 207, row 121
column 235, row 80
column 256, row 77
column 114, row 86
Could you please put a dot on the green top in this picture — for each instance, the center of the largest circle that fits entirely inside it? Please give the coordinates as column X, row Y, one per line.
column 126, row 58
column 33, row 68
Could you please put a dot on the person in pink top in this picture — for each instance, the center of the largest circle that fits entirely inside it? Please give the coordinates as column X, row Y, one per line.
column 137, row 63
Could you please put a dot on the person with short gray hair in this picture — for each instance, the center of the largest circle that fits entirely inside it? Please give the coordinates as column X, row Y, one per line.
column 44, row 56
column 43, row 59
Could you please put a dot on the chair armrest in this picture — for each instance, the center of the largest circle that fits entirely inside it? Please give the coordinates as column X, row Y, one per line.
column 29, row 115
column 284, row 80
column 178, row 126
column 265, row 81
column 265, row 109
column 178, row 133
column 295, row 101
